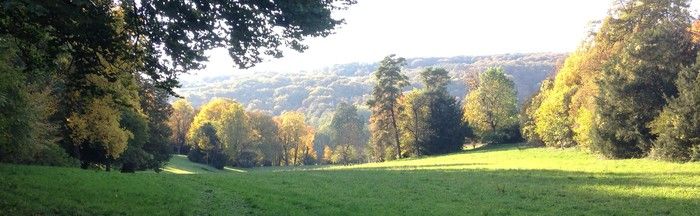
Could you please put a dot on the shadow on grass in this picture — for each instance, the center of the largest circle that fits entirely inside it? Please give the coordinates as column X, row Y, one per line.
column 517, row 192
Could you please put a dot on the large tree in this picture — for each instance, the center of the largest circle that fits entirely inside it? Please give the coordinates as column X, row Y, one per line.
column 169, row 38
column 389, row 83
column 491, row 108
column 444, row 118
column 651, row 44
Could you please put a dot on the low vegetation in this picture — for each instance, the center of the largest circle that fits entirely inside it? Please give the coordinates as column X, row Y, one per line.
column 508, row 179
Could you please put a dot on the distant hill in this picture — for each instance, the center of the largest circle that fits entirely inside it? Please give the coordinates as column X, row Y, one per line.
column 317, row 93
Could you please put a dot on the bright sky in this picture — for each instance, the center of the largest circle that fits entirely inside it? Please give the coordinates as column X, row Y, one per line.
column 436, row 28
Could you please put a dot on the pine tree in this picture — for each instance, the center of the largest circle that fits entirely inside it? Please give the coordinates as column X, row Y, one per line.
column 385, row 108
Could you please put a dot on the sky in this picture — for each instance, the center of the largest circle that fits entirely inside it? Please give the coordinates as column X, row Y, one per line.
column 436, row 28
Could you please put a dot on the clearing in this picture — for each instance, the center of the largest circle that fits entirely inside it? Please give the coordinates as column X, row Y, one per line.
column 498, row 180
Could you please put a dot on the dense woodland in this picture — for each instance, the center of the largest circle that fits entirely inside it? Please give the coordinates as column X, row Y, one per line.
column 71, row 95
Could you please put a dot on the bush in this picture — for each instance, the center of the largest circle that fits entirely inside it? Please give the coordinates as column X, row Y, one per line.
column 247, row 159
column 217, row 159
column 196, row 155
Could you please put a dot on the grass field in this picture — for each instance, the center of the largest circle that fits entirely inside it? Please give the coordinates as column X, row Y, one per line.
column 489, row 181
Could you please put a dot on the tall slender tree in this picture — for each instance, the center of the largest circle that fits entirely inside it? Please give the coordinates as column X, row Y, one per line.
column 389, row 83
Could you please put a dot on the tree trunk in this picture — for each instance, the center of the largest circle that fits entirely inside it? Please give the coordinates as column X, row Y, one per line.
column 396, row 133
column 296, row 154
column 182, row 142
column 285, row 154
column 415, row 130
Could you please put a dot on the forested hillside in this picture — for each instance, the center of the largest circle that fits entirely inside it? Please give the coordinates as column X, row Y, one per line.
column 318, row 92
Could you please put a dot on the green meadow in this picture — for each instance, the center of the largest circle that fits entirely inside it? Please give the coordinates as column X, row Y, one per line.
column 504, row 180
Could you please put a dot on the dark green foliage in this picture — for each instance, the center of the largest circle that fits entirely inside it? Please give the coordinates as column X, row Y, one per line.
column 678, row 125
column 27, row 133
column 246, row 159
column 196, row 155
column 654, row 46
column 446, row 131
column 14, row 113
column 134, row 157
column 154, row 102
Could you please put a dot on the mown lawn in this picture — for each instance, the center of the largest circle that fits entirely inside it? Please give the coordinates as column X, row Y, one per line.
column 489, row 181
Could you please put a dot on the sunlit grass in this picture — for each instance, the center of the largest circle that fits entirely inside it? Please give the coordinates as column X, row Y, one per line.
column 487, row 180
column 179, row 164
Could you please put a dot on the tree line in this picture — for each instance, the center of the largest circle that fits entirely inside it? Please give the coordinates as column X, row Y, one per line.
column 632, row 89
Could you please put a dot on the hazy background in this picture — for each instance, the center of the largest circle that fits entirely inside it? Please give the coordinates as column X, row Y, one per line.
column 438, row 28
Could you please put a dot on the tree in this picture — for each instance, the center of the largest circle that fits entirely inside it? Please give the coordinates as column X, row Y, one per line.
column 296, row 137
column 209, row 145
column 346, row 128
column 678, row 125
column 528, row 121
column 27, row 134
column 155, row 105
column 230, row 123
column 651, row 45
column 235, row 134
column 385, row 108
column 103, row 141
column 265, row 138
column 491, row 108
column 180, row 121
column 134, row 157
column 169, row 39
column 413, row 121
column 444, row 118
column 327, row 155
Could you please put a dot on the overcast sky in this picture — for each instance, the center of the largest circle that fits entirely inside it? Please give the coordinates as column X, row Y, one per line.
column 436, row 28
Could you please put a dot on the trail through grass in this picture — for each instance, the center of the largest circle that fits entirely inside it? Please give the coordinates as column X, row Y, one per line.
column 506, row 180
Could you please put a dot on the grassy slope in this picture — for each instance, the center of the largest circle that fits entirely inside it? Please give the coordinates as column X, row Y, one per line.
column 488, row 181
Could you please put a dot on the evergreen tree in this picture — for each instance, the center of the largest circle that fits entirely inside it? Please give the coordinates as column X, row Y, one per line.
column 650, row 46
column 154, row 102
column 385, row 108
column 678, row 125
column 444, row 117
